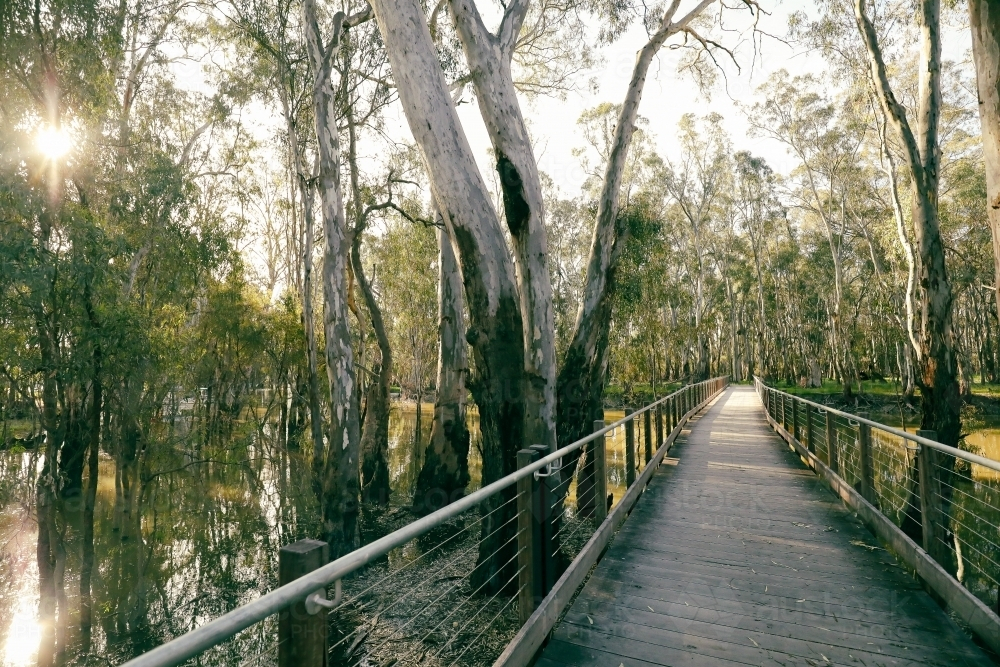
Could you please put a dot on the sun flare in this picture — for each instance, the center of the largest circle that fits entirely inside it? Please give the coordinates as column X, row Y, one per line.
column 53, row 142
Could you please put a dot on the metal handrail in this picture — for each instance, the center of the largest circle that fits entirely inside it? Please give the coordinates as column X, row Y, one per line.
column 224, row 627
column 933, row 444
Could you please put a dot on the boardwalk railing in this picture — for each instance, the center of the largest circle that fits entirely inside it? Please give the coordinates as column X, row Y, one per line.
column 937, row 507
column 485, row 576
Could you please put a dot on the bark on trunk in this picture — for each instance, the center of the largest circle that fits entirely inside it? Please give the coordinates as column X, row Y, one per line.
column 340, row 471
column 461, row 194
column 489, row 59
column 309, row 324
column 445, row 472
column 984, row 17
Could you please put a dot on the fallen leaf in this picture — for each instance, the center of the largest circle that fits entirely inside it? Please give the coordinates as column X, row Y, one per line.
column 754, row 643
column 590, row 620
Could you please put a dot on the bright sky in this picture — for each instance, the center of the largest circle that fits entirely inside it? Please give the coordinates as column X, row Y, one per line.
column 667, row 96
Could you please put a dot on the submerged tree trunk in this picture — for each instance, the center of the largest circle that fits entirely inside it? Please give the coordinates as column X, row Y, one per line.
column 309, row 324
column 90, row 494
column 495, row 331
column 375, row 434
column 445, row 472
column 340, row 471
column 985, row 20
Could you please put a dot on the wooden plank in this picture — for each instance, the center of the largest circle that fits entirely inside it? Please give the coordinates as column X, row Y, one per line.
column 522, row 648
column 970, row 609
column 676, row 562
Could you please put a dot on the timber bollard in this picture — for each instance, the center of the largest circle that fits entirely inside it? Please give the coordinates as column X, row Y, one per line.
column 527, row 539
column 930, row 501
column 302, row 637
column 600, row 475
column 629, row 448
column 647, row 425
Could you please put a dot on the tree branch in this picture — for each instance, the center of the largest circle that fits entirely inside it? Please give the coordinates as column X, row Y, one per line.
column 894, row 111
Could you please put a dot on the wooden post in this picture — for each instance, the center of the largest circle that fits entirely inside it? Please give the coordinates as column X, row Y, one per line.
column 807, row 409
column 629, row 449
column 831, row 443
column 647, row 425
column 526, row 534
column 671, row 414
column 930, row 501
column 795, row 420
column 659, row 426
column 600, row 475
column 547, row 496
column 867, row 473
column 302, row 636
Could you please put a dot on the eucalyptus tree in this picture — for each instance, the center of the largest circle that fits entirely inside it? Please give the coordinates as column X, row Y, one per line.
column 940, row 400
column 808, row 122
column 583, row 373
column 698, row 183
column 463, row 199
column 984, row 19
column 341, row 464
column 445, row 472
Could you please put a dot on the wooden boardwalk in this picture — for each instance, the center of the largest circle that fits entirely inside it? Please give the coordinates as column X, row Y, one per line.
column 739, row 555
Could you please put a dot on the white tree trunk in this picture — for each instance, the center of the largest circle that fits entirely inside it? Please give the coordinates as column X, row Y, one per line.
column 340, row 478
column 463, row 198
column 985, row 20
column 940, row 400
column 489, row 58
column 445, row 472
column 584, row 371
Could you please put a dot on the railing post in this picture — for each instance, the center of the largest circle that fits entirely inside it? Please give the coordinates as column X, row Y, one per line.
column 831, row 443
column 629, row 449
column 659, row 426
column 672, row 414
column 867, row 476
column 647, row 424
column 930, row 506
column 795, row 419
column 807, row 409
column 527, row 535
column 546, row 497
column 302, row 636
column 600, row 475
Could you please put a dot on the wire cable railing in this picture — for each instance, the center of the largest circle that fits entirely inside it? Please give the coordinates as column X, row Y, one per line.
column 460, row 585
column 937, row 506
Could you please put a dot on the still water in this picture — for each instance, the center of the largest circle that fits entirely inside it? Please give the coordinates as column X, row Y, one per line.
column 212, row 525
